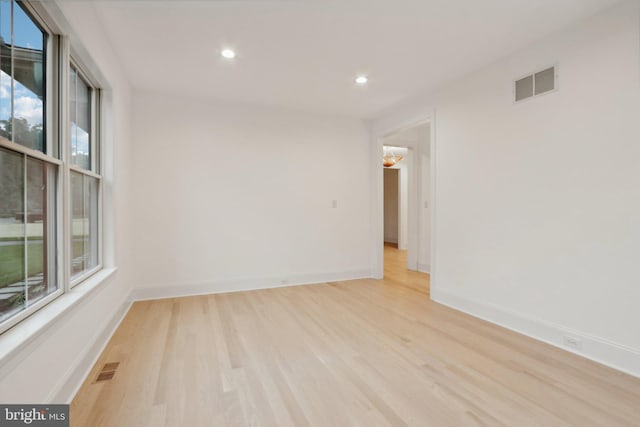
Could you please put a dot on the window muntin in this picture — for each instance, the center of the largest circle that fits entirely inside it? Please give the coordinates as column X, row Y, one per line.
column 22, row 77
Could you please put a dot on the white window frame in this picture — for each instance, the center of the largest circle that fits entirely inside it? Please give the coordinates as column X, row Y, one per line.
column 57, row 152
column 52, row 148
column 96, row 168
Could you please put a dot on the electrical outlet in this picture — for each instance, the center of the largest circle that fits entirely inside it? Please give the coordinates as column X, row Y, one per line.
column 334, row 204
column 284, row 282
column 572, row 342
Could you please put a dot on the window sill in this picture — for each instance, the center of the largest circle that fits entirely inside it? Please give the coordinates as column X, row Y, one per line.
column 16, row 339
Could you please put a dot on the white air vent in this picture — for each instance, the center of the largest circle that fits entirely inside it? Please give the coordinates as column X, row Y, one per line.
column 535, row 84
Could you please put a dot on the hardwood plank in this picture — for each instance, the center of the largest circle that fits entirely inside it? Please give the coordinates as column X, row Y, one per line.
column 360, row 353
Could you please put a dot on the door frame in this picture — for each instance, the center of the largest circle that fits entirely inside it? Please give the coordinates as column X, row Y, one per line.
column 377, row 198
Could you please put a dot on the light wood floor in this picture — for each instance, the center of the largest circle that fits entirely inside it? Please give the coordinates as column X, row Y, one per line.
column 364, row 352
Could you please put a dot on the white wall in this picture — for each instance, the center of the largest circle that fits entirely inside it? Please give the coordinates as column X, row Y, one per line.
column 206, row 212
column 537, row 204
column 424, row 208
column 50, row 367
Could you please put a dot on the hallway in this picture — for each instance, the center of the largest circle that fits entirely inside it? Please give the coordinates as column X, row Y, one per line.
column 395, row 269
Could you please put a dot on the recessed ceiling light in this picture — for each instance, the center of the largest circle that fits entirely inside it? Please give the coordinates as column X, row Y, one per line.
column 228, row 53
column 362, row 80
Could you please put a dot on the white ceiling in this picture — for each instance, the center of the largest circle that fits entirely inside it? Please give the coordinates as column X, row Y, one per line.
column 304, row 54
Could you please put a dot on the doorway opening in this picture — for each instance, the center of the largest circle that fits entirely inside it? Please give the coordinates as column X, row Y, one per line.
column 406, row 200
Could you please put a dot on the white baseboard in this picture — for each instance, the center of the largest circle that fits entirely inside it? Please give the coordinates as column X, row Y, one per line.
column 80, row 368
column 424, row 268
column 614, row 355
column 147, row 292
column 617, row 356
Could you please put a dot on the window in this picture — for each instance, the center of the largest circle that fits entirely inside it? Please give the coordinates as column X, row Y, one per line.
column 28, row 170
column 80, row 117
column 85, row 182
column 84, row 227
column 37, row 219
column 22, row 77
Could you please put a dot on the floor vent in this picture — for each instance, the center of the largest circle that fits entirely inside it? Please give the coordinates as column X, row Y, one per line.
column 107, row 372
column 108, row 367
